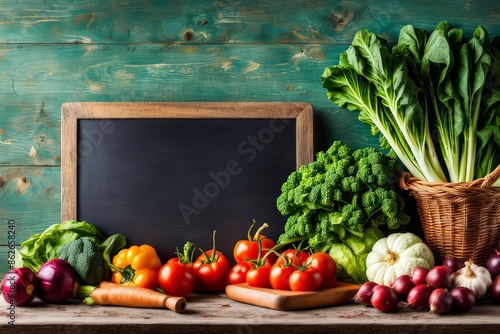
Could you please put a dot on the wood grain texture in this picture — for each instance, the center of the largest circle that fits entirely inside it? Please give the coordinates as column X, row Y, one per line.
column 72, row 112
column 216, row 313
column 342, row 293
column 228, row 21
column 154, row 73
column 30, row 196
column 58, row 51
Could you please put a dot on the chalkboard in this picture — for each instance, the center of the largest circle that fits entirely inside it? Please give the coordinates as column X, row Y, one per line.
column 166, row 173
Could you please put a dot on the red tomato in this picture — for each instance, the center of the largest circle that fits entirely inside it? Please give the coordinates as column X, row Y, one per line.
column 279, row 276
column 259, row 276
column 324, row 263
column 306, row 280
column 298, row 258
column 238, row 273
column 211, row 271
column 176, row 279
column 249, row 249
column 329, row 282
column 176, row 259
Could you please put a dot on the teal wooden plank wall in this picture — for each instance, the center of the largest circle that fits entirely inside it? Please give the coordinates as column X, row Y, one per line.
column 56, row 51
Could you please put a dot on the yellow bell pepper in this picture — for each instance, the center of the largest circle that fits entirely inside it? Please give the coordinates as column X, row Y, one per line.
column 138, row 266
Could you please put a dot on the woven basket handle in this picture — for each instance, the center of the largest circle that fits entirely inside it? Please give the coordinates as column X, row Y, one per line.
column 488, row 180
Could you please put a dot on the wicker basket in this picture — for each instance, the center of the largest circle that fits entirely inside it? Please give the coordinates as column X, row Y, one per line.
column 459, row 219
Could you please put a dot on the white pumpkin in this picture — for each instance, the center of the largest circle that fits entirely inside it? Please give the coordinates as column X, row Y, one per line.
column 397, row 255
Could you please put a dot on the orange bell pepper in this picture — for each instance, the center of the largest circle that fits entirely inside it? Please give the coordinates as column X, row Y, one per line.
column 137, row 266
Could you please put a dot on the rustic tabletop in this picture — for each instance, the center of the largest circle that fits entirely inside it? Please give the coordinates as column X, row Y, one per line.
column 216, row 313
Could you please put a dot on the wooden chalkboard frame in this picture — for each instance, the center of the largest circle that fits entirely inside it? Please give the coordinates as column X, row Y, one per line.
column 72, row 112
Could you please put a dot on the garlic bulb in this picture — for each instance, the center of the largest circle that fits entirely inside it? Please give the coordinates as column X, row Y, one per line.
column 474, row 277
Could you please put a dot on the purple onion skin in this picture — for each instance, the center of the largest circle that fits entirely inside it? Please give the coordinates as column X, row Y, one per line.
column 463, row 299
column 57, row 281
column 495, row 290
column 493, row 264
column 453, row 264
column 19, row 286
column 440, row 301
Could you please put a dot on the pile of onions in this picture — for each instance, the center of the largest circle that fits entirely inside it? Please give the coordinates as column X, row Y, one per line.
column 422, row 288
column 58, row 281
column 19, row 286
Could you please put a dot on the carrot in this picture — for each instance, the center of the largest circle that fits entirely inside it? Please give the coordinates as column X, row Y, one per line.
column 108, row 293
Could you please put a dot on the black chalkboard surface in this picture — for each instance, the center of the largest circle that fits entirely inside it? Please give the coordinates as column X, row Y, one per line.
column 163, row 174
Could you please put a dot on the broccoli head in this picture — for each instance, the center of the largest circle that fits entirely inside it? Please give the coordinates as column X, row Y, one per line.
column 342, row 191
column 85, row 257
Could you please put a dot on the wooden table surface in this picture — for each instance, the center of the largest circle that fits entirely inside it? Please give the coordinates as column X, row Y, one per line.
column 216, row 313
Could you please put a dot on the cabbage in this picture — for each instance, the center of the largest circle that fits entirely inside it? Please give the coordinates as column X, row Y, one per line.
column 350, row 255
column 42, row 247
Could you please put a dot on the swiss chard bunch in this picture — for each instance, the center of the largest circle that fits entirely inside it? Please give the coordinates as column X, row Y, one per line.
column 434, row 98
column 340, row 194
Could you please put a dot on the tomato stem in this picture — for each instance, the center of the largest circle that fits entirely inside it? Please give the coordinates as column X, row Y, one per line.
column 213, row 257
column 250, row 230
column 259, row 231
column 214, row 249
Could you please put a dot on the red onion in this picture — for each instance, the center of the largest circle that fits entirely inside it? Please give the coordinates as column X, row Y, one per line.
column 439, row 277
column 418, row 275
column 453, row 263
column 58, row 281
column 493, row 264
column 440, row 301
column 19, row 286
column 364, row 293
column 384, row 298
column 463, row 299
column 418, row 297
column 495, row 290
column 402, row 285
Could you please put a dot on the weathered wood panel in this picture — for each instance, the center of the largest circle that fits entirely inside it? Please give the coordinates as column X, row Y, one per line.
column 228, row 21
column 33, row 88
column 216, row 313
column 56, row 51
column 30, row 196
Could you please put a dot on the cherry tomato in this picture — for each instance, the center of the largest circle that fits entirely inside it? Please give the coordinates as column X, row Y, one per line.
column 298, row 257
column 238, row 273
column 176, row 279
column 279, row 276
column 259, row 276
column 309, row 279
column 324, row 263
column 211, row 270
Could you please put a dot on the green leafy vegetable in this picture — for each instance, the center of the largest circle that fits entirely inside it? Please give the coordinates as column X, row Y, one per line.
column 350, row 255
column 41, row 247
column 433, row 98
column 340, row 195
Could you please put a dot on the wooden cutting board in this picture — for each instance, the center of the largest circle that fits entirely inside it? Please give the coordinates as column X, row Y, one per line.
column 289, row 300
